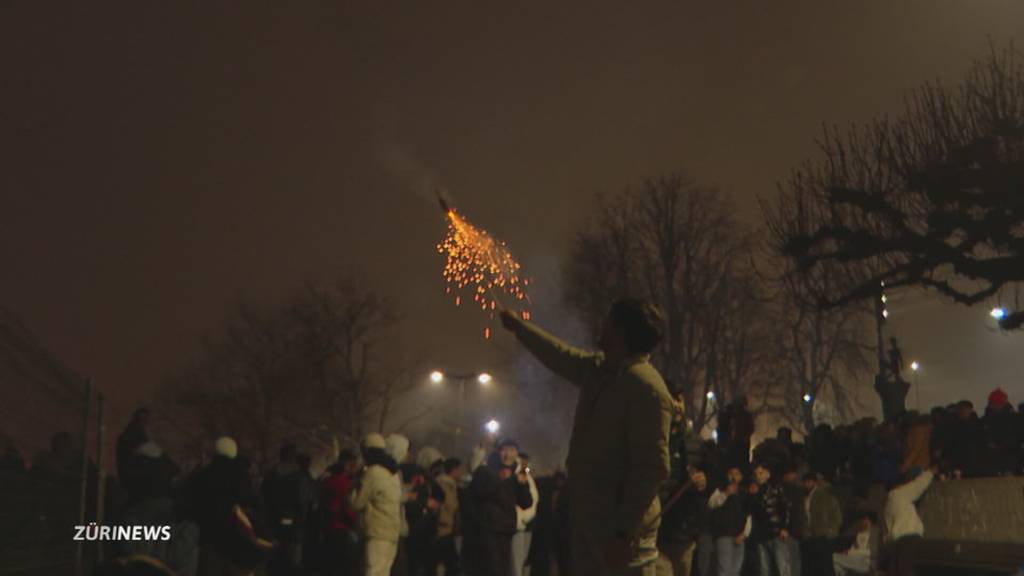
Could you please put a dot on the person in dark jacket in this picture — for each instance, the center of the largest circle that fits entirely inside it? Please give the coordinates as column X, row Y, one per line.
column 684, row 505
column 135, row 434
column 730, row 523
column 489, row 516
column 770, row 515
column 794, row 490
column 288, row 501
column 342, row 550
column 228, row 544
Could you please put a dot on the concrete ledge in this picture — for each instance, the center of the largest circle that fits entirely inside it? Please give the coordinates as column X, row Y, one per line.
column 986, row 510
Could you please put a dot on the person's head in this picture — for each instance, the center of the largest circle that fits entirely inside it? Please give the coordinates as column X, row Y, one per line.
column 633, row 327
column 453, row 467
column 142, row 417
column 398, row 447
column 699, row 479
column 508, row 449
column 348, row 462
column 288, row 453
column 734, row 475
column 964, row 409
column 762, row 474
column 811, row 481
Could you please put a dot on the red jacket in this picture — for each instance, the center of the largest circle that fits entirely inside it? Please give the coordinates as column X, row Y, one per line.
column 340, row 515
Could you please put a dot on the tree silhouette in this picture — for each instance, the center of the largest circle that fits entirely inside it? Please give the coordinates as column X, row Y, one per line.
column 933, row 198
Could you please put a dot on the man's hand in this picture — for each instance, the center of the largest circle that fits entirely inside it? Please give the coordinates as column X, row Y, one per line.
column 620, row 552
column 508, row 319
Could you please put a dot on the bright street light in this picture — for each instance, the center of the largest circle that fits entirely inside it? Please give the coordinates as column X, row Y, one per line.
column 915, row 366
column 998, row 313
column 711, row 395
column 492, row 426
column 484, row 378
column 807, row 398
column 436, row 376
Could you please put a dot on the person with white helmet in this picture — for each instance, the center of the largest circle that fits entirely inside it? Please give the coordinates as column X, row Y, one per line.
column 377, row 499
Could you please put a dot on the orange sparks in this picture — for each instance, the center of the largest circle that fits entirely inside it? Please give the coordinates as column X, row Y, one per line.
column 477, row 262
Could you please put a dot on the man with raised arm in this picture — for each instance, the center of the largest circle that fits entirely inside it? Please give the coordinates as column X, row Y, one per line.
column 618, row 452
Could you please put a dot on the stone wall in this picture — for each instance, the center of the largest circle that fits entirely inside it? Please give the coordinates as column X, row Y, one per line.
column 976, row 510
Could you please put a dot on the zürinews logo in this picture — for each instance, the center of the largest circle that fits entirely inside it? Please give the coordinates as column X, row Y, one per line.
column 136, row 533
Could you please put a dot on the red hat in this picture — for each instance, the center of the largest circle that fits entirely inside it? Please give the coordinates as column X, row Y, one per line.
column 998, row 398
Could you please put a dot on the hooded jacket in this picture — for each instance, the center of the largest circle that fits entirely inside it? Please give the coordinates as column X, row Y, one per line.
column 618, row 452
column 378, row 497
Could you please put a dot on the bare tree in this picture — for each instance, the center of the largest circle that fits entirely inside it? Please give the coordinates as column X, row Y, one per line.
column 822, row 349
column 932, row 198
column 678, row 245
column 319, row 362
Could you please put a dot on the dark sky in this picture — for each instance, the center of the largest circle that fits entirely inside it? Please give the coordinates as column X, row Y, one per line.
column 161, row 161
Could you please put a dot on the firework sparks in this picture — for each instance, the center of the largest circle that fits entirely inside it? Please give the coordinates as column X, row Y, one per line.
column 477, row 264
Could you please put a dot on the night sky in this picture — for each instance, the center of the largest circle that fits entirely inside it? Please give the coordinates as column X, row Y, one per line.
column 162, row 161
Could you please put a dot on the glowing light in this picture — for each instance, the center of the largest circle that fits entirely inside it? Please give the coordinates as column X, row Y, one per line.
column 436, row 376
column 481, row 266
column 492, row 426
column 714, row 435
column 807, row 398
column 915, row 366
column 884, row 299
column 711, row 395
column 885, row 314
column 484, row 378
column 998, row 313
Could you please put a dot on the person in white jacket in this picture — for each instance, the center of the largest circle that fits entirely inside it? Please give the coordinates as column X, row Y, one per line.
column 377, row 498
column 903, row 526
column 521, row 540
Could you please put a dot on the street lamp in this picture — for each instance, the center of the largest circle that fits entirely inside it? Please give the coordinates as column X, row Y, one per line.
column 915, row 367
column 482, row 378
column 492, row 427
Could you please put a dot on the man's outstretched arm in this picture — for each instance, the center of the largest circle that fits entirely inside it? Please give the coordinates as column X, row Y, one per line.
column 571, row 363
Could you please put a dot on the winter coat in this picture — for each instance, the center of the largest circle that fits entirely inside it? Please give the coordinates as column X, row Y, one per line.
column 618, row 451
column 449, row 513
column 917, row 453
column 769, row 511
column 489, row 512
column 686, row 519
column 900, row 514
column 378, row 500
column 526, row 514
column 823, row 516
column 335, row 497
column 729, row 516
column 288, row 500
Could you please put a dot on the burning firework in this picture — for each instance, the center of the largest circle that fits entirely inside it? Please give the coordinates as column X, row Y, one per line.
column 480, row 264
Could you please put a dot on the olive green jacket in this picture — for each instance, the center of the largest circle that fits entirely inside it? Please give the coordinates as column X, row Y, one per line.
column 618, row 453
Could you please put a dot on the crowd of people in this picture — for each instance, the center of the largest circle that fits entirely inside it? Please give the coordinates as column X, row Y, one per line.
column 643, row 493
column 381, row 510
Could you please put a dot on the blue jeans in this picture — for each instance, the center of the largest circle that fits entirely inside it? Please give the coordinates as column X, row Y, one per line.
column 729, row 556
column 774, row 553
